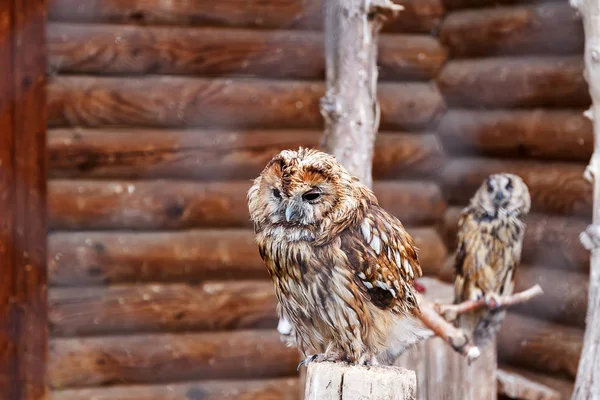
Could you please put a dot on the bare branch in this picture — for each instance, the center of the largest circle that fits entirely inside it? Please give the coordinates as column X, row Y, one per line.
column 451, row 311
column 456, row 338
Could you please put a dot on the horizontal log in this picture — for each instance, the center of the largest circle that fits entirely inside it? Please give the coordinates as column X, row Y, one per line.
column 521, row 30
column 550, row 241
column 212, row 155
column 560, row 384
column 462, row 4
column 515, row 82
column 91, row 258
column 557, row 188
column 565, row 297
column 272, row 389
column 539, row 345
column 162, row 308
column 217, row 52
column 516, row 386
column 160, row 205
column 183, row 102
column 418, row 16
column 138, row 359
column 545, row 134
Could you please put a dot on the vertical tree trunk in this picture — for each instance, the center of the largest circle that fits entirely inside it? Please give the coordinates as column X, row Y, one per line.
column 587, row 385
column 350, row 106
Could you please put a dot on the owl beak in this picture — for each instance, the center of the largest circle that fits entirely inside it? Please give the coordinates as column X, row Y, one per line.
column 292, row 213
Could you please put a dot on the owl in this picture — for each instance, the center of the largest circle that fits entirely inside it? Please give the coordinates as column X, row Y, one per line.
column 342, row 267
column 490, row 237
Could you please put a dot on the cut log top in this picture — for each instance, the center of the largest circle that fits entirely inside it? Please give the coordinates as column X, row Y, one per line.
column 560, row 189
column 155, row 308
column 420, row 16
column 550, row 241
column 522, row 82
column 183, row 102
column 339, row 381
column 222, row 390
column 162, row 358
column 126, row 50
column 213, row 155
column 189, row 256
column 522, row 30
column 539, row 345
column 545, row 134
column 160, row 205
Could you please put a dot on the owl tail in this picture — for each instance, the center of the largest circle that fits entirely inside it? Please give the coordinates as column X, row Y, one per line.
column 482, row 325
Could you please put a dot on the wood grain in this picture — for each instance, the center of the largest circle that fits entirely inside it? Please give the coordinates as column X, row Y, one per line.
column 192, row 256
column 544, row 134
column 161, row 205
column 420, row 16
column 181, row 102
column 266, row 389
column 23, row 167
column 522, row 82
column 214, row 154
column 165, row 358
column 162, row 308
column 539, row 345
column 520, row 30
column 557, row 188
column 218, row 52
column 550, row 241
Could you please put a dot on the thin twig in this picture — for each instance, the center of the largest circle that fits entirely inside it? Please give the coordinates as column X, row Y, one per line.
column 451, row 311
column 456, row 338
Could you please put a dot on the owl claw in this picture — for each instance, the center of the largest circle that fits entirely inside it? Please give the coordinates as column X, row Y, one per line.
column 307, row 361
column 492, row 300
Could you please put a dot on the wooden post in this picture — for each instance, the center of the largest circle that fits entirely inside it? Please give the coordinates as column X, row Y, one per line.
column 23, row 309
column 350, row 106
column 587, row 385
column 339, row 381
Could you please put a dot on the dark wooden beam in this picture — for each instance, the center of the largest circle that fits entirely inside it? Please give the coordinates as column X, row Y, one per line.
column 23, row 308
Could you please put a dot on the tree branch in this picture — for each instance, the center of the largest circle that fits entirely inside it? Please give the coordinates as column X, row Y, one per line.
column 455, row 337
column 451, row 311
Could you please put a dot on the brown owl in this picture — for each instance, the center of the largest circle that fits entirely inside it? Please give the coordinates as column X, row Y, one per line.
column 490, row 237
column 342, row 267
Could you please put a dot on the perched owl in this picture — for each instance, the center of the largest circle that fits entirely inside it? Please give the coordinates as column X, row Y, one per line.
column 490, row 237
column 342, row 267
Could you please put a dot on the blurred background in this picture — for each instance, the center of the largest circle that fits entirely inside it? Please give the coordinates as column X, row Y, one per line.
column 161, row 112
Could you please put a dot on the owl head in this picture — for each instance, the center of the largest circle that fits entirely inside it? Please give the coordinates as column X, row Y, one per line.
column 501, row 194
column 305, row 188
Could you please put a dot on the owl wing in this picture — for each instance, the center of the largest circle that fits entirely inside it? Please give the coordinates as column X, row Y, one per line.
column 475, row 275
column 385, row 261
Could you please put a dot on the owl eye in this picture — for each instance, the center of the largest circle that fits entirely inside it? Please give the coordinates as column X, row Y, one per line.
column 490, row 188
column 509, row 185
column 276, row 193
column 311, row 195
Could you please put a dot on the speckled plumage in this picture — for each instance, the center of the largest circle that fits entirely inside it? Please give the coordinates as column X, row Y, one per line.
column 342, row 267
column 490, row 238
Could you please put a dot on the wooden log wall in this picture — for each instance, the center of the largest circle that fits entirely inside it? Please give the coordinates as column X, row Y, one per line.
column 159, row 115
column 515, row 95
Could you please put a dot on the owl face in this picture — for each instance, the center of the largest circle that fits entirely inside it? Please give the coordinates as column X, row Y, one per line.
column 503, row 194
column 300, row 188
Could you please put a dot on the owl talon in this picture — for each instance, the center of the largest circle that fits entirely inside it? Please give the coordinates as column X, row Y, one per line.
column 492, row 301
column 307, row 361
